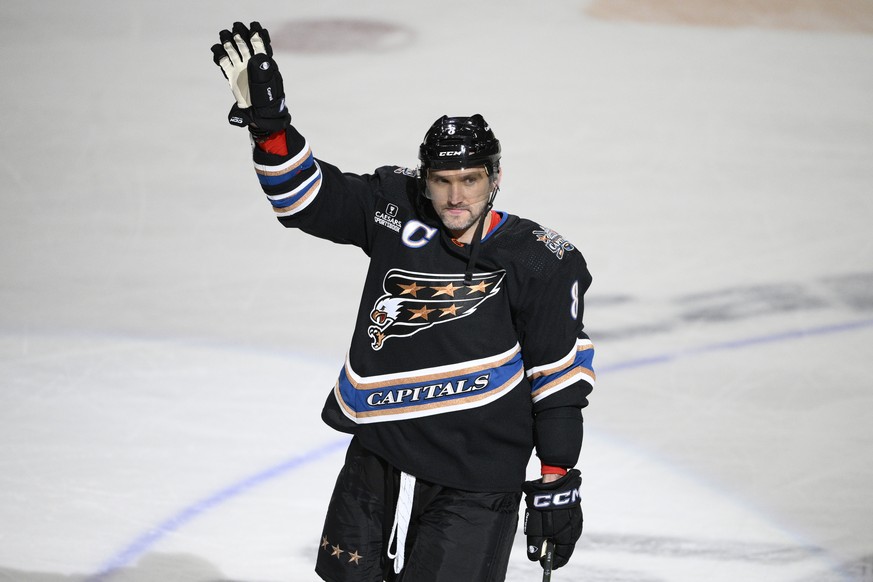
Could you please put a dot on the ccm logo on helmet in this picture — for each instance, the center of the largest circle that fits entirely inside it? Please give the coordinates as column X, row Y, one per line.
column 560, row 499
column 447, row 154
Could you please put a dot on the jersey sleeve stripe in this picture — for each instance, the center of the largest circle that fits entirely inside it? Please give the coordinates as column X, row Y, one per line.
column 548, row 369
column 287, row 166
column 296, row 200
column 273, row 179
column 547, row 381
column 288, row 198
column 563, row 382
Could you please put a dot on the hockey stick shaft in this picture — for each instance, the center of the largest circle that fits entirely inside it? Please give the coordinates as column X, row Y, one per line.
column 549, row 559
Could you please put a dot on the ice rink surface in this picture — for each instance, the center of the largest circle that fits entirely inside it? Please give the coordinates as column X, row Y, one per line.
column 165, row 346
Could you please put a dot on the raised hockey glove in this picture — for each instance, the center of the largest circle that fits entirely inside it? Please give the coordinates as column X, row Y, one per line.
column 554, row 512
column 246, row 59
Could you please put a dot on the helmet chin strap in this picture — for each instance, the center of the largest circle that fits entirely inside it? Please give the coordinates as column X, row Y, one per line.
column 477, row 238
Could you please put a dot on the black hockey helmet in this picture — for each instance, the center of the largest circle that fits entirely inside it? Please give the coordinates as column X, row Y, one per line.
column 456, row 143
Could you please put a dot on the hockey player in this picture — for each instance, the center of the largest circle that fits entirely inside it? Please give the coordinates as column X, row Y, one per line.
column 468, row 351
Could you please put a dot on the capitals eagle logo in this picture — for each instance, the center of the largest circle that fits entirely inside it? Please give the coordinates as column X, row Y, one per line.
column 416, row 301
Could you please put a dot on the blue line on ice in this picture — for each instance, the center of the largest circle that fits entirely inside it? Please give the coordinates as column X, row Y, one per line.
column 737, row 344
column 140, row 545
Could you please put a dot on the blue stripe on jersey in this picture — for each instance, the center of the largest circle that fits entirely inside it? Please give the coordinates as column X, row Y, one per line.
column 424, row 395
column 275, row 180
column 292, row 200
column 582, row 368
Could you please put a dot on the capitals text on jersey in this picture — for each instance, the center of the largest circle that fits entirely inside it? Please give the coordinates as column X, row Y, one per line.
column 429, row 391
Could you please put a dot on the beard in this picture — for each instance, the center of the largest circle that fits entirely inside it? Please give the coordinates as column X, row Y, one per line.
column 460, row 219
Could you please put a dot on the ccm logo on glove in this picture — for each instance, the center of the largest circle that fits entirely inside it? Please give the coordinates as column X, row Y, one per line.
column 560, row 499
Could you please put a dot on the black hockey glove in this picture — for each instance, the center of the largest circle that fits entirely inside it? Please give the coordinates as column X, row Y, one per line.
column 246, row 59
column 553, row 513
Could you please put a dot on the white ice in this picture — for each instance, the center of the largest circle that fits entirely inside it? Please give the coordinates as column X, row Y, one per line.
column 165, row 346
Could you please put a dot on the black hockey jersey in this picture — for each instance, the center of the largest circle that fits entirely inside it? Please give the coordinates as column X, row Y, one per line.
column 444, row 379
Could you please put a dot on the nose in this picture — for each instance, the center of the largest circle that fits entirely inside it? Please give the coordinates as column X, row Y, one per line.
column 456, row 193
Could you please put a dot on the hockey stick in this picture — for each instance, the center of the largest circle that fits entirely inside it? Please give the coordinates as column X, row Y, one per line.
column 549, row 552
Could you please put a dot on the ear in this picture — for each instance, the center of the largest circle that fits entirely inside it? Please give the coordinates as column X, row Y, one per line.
column 498, row 178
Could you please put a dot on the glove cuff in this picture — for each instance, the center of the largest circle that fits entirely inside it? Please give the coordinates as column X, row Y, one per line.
column 238, row 116
column 260, row 126
column 552, row 470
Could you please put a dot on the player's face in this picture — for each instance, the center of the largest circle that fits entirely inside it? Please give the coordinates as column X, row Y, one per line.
column 459, row 198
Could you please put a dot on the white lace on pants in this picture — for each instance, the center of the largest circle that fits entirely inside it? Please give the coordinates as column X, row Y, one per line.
column 401, row 520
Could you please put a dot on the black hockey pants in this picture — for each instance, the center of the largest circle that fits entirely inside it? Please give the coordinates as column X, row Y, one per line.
column 454, row 535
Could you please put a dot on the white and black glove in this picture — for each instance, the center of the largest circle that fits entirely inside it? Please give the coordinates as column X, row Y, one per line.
column 246, row 59
column 554, row 512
